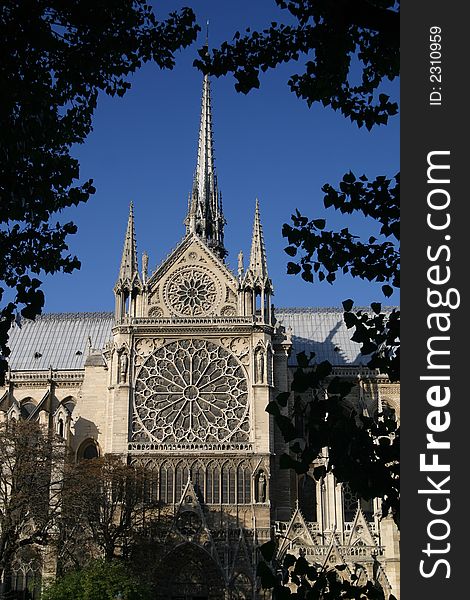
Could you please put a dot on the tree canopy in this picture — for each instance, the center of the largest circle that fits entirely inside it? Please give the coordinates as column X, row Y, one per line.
column 30, row 487
column 56, row 58
column 99, row 580
column 351, row 47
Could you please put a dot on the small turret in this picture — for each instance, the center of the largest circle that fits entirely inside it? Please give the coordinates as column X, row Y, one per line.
column 256, row 285
column 128, row 286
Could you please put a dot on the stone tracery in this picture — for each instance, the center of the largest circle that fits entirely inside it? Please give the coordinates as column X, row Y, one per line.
column 191, row 292
column 191, row 391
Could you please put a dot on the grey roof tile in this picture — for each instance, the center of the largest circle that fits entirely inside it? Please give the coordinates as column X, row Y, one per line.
column 322, row 330
column 60, row 340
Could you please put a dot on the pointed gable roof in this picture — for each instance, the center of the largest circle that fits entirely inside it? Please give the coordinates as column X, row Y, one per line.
column 297, row 528
column 177, row 252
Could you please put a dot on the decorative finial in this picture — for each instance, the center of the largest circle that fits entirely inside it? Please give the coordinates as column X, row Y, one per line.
column 240, row 264
column 145, row 266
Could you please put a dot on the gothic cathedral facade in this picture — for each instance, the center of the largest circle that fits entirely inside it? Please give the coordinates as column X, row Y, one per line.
column 178, row 379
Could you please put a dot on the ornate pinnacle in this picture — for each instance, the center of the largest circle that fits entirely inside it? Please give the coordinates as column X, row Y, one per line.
column 129, row 267
column 258, row 267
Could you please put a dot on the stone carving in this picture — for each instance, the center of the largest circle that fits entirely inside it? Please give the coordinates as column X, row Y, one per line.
column 191, row 391
column 144, row 347
column 228, row 311
column 189, row 523
column 259, row 365
column 239, row 346
column 123, row 364
column 155, row 312
column 230, row 296
column 261, row 487
column 191, row 292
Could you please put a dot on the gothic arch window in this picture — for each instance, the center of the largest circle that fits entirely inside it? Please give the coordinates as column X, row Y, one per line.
column 228, row 484
column 213, row 483
column 150, row 487
column 307, row 494
column 27, row 407
column 197, row 576
column 181, row 478
column 88, row 450
column 197, row 478
column 166, row 483
column 26, row 575
column 61, row 427
column 269, row 366
column 243, row 483
column 351, row 501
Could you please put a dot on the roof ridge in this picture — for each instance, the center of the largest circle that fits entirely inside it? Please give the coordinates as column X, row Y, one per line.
column 72, row 315
column 321, row 309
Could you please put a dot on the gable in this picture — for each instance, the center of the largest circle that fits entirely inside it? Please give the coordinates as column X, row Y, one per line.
column 191, row 282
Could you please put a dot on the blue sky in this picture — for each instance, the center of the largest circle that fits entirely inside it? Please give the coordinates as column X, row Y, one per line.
column 268, row 144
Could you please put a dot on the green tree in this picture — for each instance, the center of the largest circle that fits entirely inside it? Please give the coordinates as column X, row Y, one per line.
column 107, row 508
column 30, row 488
column 99, row 580
column 56, row 58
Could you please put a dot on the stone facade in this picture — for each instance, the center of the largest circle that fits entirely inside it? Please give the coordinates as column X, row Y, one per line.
column 178, row 380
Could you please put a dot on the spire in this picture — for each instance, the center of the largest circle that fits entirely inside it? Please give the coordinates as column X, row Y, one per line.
column 205, row 217
column 258, row 267
column 129, row 266
column 128, row 286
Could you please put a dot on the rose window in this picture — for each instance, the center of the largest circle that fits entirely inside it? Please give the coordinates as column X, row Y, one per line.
column 191, row 292
column 191, row 391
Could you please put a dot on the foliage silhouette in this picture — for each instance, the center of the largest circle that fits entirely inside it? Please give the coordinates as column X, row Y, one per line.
column 56, row 58
column 338, row 39
column 336, row 36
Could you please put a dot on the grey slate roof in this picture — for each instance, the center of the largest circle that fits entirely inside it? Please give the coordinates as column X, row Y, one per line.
column 60, row 340
column 323, row 331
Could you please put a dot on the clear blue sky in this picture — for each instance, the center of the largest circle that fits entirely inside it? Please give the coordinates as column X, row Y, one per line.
column 268, row 144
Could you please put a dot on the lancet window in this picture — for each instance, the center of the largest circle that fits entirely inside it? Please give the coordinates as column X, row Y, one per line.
column 215, row 482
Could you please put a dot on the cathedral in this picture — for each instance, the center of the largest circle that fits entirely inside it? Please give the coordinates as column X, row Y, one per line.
column 177, row 379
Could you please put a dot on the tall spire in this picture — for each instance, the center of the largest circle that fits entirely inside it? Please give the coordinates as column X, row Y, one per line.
column 258, row 267
column 129, row 267
column 205, row 217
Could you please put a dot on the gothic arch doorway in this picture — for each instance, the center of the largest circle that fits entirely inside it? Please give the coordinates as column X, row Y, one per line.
column 189, row 573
